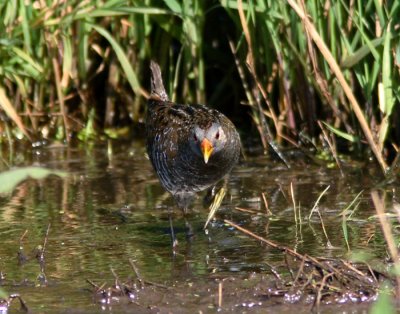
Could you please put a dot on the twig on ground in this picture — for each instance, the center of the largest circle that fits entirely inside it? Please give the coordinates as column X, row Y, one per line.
column 136, row 270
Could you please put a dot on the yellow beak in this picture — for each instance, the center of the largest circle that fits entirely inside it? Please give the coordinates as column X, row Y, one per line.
column 206, row 149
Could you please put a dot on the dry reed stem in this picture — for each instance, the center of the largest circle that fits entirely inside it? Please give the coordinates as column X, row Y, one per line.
column 312, row 31
column 5, row 103
column 250, row 63
column 45, row 241
column 386, row 228
column 315, row 209
column 242, row 76
column 23, row 236
column 299, row 272
column 321, row 286
column 344, row 277
column 60, row 96
column 259, row 121
column 387, row 232
column 322, row 82
column 282, row 248
column 136, row 270
column 294, row 201
column 266, row 204
column 249, row 211
column 360, row 273
column 220, row 294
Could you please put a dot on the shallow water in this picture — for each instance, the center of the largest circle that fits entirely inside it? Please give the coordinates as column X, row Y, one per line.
column 111, row 209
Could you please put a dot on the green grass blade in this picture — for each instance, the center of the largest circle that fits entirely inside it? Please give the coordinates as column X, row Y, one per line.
column 346, row 136
column 83, row 30
column 67, row 61
column 345, row 232
column 3, row 294
column 28, row 59
column 174, row 6
column 387, row 73
column 10, row 12
column 359, row 54
column 25, row 25
column 379, row 11
column 384, row 302
column 10, row 179
column 20, row 83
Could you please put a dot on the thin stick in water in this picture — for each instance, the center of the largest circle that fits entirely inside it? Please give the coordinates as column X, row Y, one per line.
column 266, row 204
column 220, row 294
column 387, row 232
column 294, row 202
column 315, row 209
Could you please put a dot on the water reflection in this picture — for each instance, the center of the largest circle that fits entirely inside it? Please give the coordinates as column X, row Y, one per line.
column 111, row 208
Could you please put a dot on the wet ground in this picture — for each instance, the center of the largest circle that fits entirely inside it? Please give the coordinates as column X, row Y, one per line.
column 107, row 224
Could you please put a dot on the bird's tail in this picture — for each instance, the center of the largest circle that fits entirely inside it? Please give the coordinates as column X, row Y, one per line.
column 157, row 87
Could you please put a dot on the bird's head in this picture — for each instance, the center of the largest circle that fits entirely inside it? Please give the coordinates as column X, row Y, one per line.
column 207, row 142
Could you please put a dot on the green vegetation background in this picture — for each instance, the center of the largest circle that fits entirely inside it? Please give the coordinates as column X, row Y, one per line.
column 319, row 74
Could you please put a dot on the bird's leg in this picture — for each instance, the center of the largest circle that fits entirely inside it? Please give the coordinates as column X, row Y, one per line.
column 189, row 228
column 209, row 196
column 173, row 237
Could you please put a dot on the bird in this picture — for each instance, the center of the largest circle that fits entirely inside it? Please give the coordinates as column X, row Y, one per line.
column 191, row 147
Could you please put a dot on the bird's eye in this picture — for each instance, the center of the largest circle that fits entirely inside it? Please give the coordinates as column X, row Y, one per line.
column 217, row 136
column 195, row 138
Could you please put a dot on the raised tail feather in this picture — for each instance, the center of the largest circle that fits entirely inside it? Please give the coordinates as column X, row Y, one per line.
column 157, row 87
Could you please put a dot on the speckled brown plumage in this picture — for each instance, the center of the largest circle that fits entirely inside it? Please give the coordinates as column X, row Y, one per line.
column 191, row 147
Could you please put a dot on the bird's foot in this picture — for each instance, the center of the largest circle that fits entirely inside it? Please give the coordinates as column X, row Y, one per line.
column 189, row 230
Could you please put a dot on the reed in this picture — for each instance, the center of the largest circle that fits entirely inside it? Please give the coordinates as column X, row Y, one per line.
column 296, row 65
column 325, row 61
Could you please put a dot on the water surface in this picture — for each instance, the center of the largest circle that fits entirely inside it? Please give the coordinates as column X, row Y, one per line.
column 111, row 209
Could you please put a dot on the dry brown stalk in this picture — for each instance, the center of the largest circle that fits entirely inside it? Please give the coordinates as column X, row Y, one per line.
column 387, row 232
column 294, row 201
column 250, row 63
column 312, row 31
column 5, row 103
column 249, row 211
column 321, row 286
column 266, row 204
column 282, row 248
column 324, row 265
column 299, row 272
column 60, row 96
column 220, row 294
column 316, row 209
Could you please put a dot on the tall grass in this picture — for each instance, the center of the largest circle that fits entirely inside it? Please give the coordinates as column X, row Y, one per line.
column 298, row 63
column 329, row 61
